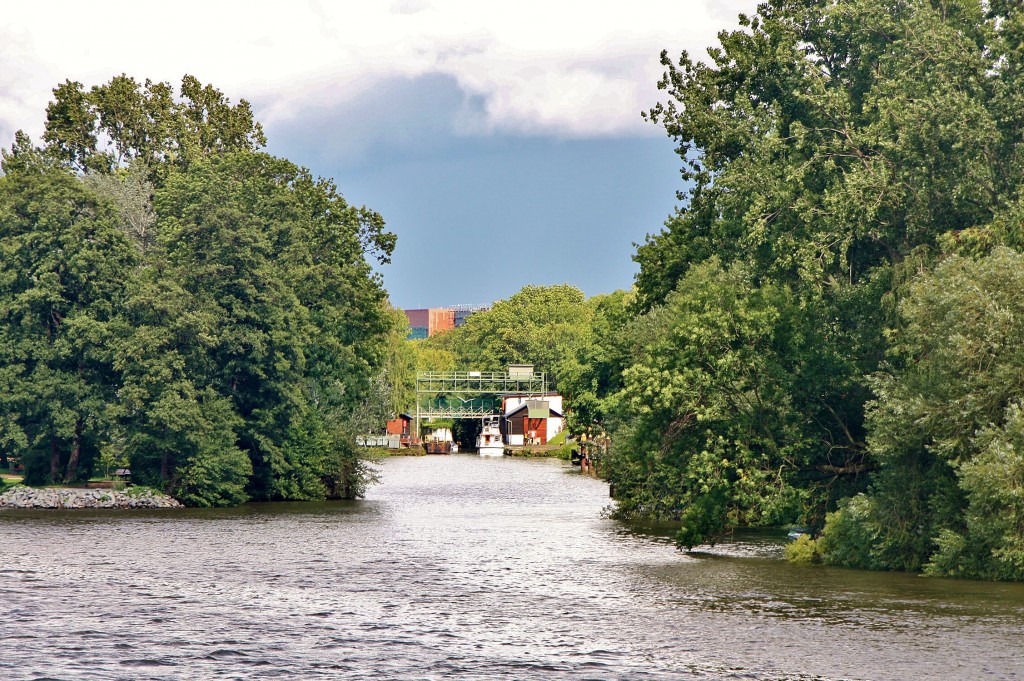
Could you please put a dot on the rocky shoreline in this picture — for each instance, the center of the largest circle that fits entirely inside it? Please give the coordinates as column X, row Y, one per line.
column 63, row 497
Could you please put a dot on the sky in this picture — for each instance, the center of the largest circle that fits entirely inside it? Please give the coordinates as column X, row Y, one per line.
column 502, row 142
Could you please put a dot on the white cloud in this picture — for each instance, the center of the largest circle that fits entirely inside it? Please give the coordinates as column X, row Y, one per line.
column 538, row 67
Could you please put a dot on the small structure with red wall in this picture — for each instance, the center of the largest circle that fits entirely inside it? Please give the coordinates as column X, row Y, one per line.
column 401, row 426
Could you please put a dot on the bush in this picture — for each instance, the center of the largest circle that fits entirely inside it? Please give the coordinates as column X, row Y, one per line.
column 565, row 452
column 848, row 539
column 803, row 550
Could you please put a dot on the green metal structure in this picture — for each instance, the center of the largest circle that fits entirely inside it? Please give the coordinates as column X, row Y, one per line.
column 473, row 394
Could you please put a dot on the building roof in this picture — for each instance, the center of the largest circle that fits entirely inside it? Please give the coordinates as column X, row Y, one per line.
column 525, row 406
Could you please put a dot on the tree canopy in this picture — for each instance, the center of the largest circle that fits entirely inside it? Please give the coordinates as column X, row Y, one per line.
column 821, row 330
column 170, row 293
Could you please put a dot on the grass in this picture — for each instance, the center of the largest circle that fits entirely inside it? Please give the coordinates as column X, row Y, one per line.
column 9, row 480
column 559, row 439
column 381, row 453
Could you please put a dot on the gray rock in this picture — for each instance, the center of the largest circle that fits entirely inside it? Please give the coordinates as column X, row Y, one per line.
column 49, row 497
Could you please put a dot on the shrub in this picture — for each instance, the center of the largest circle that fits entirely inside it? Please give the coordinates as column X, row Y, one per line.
column 803, row 550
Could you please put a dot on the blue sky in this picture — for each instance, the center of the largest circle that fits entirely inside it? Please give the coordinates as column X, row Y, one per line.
column 502, row 143
column 478, row 218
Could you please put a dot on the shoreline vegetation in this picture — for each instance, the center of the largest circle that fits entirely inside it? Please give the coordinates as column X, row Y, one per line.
column 178, row 302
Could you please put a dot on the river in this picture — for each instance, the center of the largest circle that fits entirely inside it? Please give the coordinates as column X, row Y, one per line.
column 465, row 568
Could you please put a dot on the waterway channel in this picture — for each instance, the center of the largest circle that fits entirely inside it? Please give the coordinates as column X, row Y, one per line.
column 465, row 568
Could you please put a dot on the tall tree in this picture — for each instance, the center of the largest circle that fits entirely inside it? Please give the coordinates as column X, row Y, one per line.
column 828, row 138
column 169, row 292
column 112, row 124
column 62, row 265
column 829, row 147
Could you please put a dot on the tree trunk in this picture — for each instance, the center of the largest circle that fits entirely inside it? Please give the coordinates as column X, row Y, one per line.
column 76, row 450
column 54, row 460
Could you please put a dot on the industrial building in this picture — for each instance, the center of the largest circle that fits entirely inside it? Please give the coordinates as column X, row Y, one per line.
column 429, row 321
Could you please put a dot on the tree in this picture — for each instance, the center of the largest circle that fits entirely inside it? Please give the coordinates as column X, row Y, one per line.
column 113, row 124
column 831, row 150
column 62, row 260
column 719, row 422
column 593, row 374
column 945, row 426
column 400, row 365
column 539, row 325
column 273, row 259
column 829, row 138
column 169, row 292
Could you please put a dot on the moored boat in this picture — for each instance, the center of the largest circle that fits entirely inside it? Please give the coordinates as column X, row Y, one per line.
column 488, row 442
column 437, row 446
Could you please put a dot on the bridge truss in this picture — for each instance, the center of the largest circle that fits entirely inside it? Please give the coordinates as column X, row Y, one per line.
column 471, row 394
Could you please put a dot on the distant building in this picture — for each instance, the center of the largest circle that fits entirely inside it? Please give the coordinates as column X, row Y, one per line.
column 419, row 320
column 426, row 322
column 464, row 312
column 441, row 319
column 532, row 420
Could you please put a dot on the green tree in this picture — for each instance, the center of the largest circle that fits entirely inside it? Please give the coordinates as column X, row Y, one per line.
column 539, row 325
column 170, row 292
column 828, row 138
column 830, row 148
column 112, row 124
column 400, row 365
column 589, row 377
column 275, row 259
column 62, row 261
column 944, row 426
column 720, row 422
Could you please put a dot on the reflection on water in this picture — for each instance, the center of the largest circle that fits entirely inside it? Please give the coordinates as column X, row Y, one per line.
column 461, row 567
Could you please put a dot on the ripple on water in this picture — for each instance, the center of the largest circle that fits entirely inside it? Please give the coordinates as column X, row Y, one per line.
column 458, row 567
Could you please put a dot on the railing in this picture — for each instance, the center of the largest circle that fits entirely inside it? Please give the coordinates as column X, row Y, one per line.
column 493, row 382
column 439, row 394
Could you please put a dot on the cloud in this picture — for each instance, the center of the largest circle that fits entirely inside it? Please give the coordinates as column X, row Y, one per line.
column 368, row 125
column 561, row 67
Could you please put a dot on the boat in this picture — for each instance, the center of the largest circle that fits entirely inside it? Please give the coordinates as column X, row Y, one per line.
column 488, row 442
column 437, row 446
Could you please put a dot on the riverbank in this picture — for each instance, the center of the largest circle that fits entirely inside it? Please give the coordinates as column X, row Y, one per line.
column 66, row 497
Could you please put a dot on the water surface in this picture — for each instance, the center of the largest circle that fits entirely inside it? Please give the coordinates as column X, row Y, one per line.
column 465, row 568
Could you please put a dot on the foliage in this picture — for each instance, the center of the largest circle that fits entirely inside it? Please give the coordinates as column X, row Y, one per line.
column 802, row 550
column 713, row 428
column 826, row 138
column 539, row 325
column 849, row 534
column 168, row 291
column 946, row 426
column 427, row 357
column 835, row 151
column 112, row 124
column 62, row 266
column 589, row 377
column 401, row 363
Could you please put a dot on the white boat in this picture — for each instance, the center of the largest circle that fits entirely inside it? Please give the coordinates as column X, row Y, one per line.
column 488, row 442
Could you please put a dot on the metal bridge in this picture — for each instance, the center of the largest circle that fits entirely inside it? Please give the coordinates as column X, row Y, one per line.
column 473, row 394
